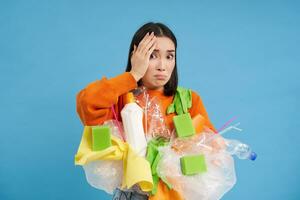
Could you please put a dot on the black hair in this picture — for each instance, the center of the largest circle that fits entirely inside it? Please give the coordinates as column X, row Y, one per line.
column 160, row 30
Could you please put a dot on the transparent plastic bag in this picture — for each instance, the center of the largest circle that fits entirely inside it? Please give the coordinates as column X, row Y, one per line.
column 154, row 122
column 210, row 185
column 116, row 128
column 200, row 142
column 104, row 174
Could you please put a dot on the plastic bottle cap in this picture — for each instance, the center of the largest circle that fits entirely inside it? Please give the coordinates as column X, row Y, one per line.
column 128, row 98
column 252, row 156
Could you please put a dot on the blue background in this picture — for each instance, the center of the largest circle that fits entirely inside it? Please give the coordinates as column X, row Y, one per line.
column 242, row 57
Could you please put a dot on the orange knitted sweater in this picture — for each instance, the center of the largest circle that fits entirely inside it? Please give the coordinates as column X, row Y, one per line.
column 94, row 107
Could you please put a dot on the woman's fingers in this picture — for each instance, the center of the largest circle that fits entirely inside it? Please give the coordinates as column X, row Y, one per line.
column 140, row 56
column 149, row 45
column 134, row 49
column 151, row 49
column 144, row 42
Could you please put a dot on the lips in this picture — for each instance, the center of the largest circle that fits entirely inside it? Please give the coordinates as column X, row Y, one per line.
column 160, row 77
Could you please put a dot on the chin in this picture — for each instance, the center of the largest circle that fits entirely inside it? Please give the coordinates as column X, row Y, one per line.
column 155, row 87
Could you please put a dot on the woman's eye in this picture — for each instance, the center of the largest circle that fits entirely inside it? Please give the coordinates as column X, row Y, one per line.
column 152, row 56
column 170, row 57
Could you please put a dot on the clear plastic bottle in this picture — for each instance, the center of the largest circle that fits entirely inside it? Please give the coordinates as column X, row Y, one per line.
column 241, row 150
column 132, row 117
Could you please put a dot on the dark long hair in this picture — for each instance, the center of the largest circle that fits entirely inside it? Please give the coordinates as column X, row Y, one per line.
column 160, row 30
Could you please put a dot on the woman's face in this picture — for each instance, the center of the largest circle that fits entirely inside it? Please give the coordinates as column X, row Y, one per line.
column 161, row 64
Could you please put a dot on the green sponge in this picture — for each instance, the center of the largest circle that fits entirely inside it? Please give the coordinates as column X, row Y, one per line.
column 101, row 138
column 184, row 125
column 191, row 165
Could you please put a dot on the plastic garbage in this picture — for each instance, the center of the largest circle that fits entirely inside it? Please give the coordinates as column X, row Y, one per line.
column 219, row 178
column 241, row 150
column 104, row 174
column 154, row 122
column 116, row 128
column 132, row 117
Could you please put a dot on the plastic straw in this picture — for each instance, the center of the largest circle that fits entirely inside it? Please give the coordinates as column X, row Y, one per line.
column 229, row 128
column 226, row 124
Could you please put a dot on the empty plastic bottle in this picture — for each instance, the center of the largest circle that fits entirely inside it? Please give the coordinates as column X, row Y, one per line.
column 132, row 117
column 241, row 150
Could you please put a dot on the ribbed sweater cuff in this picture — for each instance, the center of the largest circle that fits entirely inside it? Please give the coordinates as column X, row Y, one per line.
column 123, row 83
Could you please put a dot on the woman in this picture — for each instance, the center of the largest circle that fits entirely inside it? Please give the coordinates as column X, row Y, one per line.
column 152, row 64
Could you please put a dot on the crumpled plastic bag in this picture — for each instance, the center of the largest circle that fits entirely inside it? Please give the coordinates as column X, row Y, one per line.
column 154, row 123
column 210, row 185
column 114, row 167
column 106, row 174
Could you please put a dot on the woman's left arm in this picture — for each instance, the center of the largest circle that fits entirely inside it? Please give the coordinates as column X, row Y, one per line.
column 198, row 108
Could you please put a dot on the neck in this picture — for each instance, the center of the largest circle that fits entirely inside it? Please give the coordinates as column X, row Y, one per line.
column 161, row 89
column 155, row 92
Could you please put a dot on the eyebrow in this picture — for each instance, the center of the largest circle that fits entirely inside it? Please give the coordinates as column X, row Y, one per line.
column 167, row 50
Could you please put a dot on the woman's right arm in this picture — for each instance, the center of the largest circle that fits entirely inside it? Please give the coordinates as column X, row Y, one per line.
column 94, row 102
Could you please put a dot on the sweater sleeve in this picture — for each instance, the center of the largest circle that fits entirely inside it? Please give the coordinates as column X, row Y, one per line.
column 198, row 108
column 94, row 102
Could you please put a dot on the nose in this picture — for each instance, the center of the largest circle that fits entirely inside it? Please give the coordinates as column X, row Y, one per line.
column 161, row 65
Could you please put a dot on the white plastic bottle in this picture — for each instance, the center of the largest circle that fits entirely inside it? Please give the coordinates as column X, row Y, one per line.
column 132, row 117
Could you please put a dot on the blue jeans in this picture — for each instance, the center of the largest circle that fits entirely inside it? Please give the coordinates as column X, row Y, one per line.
column 128, row 195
